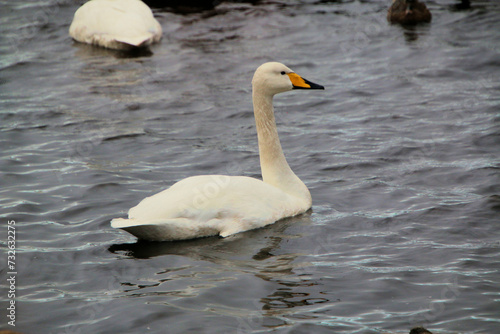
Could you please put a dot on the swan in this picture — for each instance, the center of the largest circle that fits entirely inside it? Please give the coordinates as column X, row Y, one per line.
column 115, row 24
column 209, row 205
column 408, row 12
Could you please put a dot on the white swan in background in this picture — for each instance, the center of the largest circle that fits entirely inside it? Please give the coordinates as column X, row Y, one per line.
column 115, row 24
column 208, row 205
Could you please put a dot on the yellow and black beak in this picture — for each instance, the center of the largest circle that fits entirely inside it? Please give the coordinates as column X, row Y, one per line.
column 300, row 83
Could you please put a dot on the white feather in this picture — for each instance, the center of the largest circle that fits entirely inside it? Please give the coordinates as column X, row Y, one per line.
column 115, row 24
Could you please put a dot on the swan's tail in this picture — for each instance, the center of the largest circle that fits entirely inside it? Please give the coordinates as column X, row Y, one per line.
column 164, row 230
column 137, row 41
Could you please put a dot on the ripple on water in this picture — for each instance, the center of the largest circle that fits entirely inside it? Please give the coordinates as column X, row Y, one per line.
column 399, row 152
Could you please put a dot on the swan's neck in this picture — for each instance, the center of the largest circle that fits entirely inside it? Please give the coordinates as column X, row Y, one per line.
column 275, row 169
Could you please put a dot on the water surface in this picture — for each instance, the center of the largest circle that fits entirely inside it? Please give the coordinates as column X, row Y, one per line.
column 400, row 153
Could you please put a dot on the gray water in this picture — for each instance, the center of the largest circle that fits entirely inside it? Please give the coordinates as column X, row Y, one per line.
column 400, row 153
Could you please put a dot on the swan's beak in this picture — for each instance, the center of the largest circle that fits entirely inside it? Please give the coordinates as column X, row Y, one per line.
column 299, row 82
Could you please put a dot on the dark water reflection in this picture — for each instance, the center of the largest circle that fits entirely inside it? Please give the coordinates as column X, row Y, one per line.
column 233, row 255
column 400, row 153
column 87, row 52
column 255, row 253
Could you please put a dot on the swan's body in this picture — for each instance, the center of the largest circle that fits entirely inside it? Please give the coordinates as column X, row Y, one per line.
column 115, row 24
column 222, row 205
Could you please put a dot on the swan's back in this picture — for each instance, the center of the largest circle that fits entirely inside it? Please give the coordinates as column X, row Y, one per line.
column 115, row 24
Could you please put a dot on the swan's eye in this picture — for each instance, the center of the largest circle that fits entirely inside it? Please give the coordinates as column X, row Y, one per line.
column 283, row 72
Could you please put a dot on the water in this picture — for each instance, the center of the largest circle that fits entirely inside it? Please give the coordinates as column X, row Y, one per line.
column 400, row 152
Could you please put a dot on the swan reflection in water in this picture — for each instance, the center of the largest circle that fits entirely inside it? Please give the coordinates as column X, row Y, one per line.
column 257, row 252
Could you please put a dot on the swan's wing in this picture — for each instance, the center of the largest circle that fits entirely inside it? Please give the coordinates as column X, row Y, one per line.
column 212, row 196
column 208, row 205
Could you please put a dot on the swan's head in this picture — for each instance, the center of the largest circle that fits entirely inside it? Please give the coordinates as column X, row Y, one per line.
column 275, row 78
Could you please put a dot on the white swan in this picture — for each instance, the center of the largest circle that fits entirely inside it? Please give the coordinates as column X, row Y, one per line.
column 208, row 205
column 115, row 24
